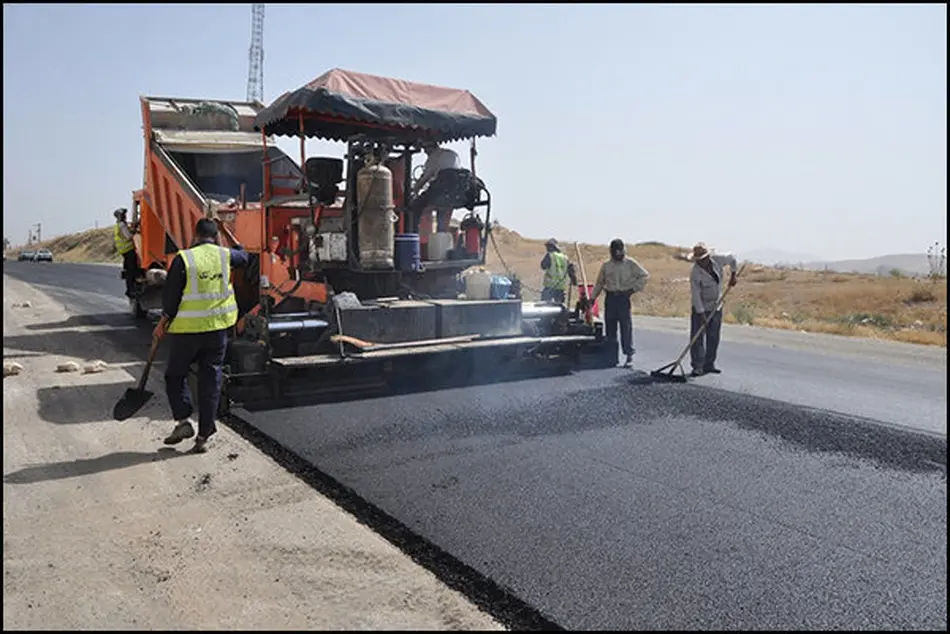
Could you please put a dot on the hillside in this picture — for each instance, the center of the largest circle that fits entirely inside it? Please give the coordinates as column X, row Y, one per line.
column 911, row 264
column 897, row 308
column 890, row 307
column 93, row 245
column 906, row 263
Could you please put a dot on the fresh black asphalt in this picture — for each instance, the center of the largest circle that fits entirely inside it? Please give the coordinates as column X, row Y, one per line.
column 605, row 500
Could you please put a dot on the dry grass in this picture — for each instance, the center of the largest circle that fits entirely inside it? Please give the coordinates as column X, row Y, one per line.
column 93, row 245
column 895, row 308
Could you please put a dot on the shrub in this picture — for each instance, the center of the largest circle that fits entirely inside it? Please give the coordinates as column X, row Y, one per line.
column 937, row 260
column 921, row 294
column 743, row 314
column 875, row 320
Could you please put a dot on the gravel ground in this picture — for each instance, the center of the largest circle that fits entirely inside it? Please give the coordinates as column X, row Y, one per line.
column 104, row 528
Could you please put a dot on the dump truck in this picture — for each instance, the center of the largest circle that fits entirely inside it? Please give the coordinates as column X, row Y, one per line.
column 344, row 297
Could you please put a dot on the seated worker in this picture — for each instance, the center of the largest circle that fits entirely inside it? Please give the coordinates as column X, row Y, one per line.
column 557, row 271
column 439, row 159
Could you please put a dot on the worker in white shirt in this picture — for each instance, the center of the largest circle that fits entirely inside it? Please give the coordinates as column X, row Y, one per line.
column 621, row 276
column 705, row 283
column 438, row 159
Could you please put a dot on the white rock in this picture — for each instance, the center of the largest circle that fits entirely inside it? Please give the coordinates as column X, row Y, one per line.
column 69, row 366
column 11, row 368
column 95, row 367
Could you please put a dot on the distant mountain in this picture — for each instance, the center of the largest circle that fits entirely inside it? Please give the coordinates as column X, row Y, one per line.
column 907, row 263
column 774, row 257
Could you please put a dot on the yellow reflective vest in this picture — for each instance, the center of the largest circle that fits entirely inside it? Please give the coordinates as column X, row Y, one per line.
column 122, row 244
column 555, row 276
column 207, row 302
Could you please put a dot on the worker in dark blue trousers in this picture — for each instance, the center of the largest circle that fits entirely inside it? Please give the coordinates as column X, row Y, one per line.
column 198, row 310
column 620, row 277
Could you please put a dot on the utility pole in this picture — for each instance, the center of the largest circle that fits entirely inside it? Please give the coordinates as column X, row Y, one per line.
column 255, row 55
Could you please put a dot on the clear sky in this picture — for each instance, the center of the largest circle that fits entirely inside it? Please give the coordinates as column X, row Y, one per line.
column 818, row 129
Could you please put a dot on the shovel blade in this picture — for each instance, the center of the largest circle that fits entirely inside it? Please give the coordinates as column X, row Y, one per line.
column 131, row 402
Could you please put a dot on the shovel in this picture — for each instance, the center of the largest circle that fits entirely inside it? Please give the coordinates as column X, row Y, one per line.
column 136, row 397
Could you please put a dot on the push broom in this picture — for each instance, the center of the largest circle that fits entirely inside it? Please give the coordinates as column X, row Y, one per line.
column 668, row 371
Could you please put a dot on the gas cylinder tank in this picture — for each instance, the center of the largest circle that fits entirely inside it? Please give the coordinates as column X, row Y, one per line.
column 374, row 196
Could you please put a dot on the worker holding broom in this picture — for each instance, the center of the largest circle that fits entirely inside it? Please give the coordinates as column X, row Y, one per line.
column 621, row 276
column 198, row 310
column 705, row 282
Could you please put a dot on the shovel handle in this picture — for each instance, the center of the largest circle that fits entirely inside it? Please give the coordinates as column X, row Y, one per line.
column 148, row 364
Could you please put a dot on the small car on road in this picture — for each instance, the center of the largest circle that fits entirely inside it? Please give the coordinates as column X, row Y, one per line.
column 26, row 256
column 43, row 255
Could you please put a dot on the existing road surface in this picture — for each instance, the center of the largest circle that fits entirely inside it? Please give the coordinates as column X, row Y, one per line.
column 781, row 494
column 103, row 532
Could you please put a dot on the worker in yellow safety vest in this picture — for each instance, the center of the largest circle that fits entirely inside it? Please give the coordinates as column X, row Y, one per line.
column 198, row 309
column 122, row 236
column 557, row 271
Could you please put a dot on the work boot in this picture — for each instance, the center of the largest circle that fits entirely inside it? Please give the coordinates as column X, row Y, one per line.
column 696, row 372
column 628, row 362
column 184, row 429
column 201, row 445
column 712, row 370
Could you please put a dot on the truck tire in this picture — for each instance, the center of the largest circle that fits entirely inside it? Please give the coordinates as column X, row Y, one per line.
column 136, row 307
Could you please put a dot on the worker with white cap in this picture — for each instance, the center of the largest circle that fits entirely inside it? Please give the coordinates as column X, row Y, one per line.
column 705, row 282
column 438, row 159
column 557, row 271
column 124, row 244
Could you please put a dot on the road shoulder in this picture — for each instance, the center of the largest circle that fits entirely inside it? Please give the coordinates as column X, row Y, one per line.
column 826, row 344
column 105, row 528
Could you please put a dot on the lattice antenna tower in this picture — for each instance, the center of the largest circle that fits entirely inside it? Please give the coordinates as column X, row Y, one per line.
column 255, row 55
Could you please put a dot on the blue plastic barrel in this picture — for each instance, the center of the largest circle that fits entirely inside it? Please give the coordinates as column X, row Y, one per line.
column 407, row 255
column 500, row 287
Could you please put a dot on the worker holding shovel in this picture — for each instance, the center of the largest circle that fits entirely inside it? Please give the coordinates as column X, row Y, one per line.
column 705, row 282
column 199, row 308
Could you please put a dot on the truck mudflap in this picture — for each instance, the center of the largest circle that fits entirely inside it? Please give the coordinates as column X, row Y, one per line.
column 410, row 368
